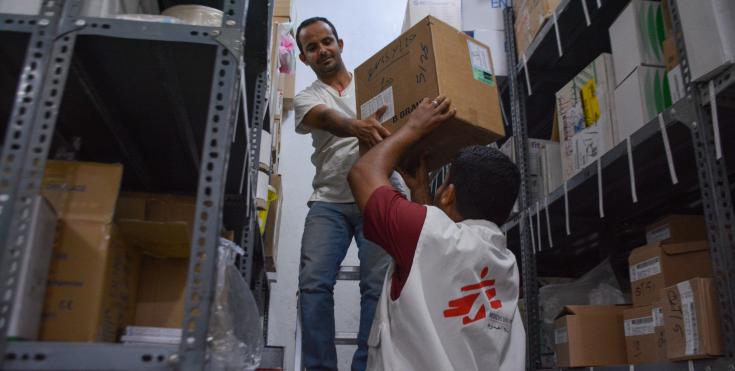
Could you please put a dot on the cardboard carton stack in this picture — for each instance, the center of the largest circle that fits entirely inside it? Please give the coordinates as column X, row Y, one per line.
column 116, row 261
column 530, row 17
column 428, row 60
column 671, row 268
column 585, row 110
column 641, row 86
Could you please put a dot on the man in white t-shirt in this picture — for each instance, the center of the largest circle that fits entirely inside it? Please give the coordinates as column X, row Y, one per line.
column 326, row 110
column 450, row 299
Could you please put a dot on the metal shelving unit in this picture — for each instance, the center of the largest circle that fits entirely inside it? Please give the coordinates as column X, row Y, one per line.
column 169, row 101
column 594, row 215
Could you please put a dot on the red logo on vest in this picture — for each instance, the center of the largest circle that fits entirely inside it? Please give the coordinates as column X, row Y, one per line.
column 463, row 305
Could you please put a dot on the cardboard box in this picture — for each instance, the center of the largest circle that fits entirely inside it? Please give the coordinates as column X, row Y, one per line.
column 266, row 145
column 82, row 190
column 283, row 9
column 657, row 309
column 640, row 98
column 530, row 17
column 261, row 192
column 272, row 225
column 91, row 283
column 449, row 11
column 590, row 335
column 671, row 54
column 676, row 228
column 709, row 35
column 159, row 224
column 656, row 266
column 636, row 38
column 495, row 39
column 33, row 267
column 287, row 85
column 161, row 292
column 641, row 341
column 432, row 59
column 484, row 14
column 692, row 320
column 585, row 109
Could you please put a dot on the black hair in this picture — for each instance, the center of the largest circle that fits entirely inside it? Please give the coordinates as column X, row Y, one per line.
column 486, row 183
column 310, row 21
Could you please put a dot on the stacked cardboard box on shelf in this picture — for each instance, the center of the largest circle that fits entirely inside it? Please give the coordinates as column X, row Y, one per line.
column 530, row 17
column 428, row 60
column 116, row 261
column 544, row 165
column 642, row 88
column 585, row 109
column 676, row 253
column 590, row 335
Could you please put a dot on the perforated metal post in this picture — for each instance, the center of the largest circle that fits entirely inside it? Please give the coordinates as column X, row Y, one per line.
column 221, row 121
column 716, row 195
column 27, row 144
column 528, row 260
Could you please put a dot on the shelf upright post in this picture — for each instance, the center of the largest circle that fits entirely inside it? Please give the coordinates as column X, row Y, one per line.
column 27, row 143
column 221, row 122
column 528, row 260
column 716, row 195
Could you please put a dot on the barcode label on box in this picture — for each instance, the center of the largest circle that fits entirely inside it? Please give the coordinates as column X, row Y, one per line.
column 645, row 269
column 482, row 69
column 561, row 336
column 639, row 326
column 385, row 98
column 658, row 234
column 689, row 312
column 658, row 317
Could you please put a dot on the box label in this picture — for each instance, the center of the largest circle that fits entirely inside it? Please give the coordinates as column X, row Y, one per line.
column 689, row 312
column 645, row 269
column 658, row 234
column 482, row 69
column 561, row 336
column 658, row 317
column 590, row 103
column 385, row 98
column 676, row 84
column 639, row 326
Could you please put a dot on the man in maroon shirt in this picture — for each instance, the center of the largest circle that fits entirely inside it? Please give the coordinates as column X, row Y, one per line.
column 456, row 280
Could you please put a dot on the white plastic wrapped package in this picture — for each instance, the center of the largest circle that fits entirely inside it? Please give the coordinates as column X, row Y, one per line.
column 286, row 49
column 597, row 287
column 197, row 15
column 235, row 327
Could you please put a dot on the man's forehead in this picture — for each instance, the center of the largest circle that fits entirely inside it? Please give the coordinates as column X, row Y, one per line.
column 316, row 31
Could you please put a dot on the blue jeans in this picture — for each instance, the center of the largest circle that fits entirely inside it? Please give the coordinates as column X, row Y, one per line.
column 328, row 231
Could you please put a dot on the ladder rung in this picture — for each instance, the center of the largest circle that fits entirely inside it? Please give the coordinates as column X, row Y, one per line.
column 345, row 338
column 349, row 273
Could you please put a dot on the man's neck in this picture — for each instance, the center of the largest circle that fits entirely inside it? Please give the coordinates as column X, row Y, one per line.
column 338, row 80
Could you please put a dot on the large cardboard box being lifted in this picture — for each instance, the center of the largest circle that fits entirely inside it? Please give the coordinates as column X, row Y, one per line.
column 692, row 320
column 428, row 60
column 590, row 335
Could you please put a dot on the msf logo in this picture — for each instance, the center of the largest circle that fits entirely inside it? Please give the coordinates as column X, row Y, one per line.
column 463, row 306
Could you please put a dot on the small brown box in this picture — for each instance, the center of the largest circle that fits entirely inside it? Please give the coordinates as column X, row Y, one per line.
column 590, row 335
column 428, row 60
column 656, row 266
column 641, row 339
column 677, row 228
column 692, row 320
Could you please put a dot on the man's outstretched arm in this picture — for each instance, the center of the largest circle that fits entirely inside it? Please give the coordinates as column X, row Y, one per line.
column 372, row 170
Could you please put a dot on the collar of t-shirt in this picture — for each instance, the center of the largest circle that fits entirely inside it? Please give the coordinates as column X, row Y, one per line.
column 339, row 93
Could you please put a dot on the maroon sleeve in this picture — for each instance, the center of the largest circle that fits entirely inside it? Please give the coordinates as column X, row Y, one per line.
column 395, row 224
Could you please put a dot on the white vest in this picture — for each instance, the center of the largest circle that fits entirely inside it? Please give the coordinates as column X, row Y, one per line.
column 453, row 313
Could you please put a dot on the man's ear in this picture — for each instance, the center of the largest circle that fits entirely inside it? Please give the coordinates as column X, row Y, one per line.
column 302, row 57
column 341, row 44
column 448, row 198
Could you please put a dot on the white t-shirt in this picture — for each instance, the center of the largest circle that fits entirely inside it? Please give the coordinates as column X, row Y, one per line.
column 333, row 156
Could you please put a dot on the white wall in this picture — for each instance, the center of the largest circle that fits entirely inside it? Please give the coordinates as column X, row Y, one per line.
column 365, row 27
